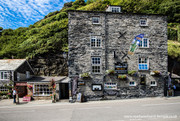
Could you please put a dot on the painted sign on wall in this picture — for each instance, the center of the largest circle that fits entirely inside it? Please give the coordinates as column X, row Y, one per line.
column 135, row 43
column 121, row 68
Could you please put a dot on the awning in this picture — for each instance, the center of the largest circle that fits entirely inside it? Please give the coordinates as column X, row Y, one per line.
column 66, row 80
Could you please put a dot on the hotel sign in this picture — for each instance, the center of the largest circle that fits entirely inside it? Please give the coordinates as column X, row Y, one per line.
column 121, row 68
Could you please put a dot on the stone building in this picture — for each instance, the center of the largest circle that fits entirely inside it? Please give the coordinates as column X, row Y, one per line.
column 99, row 42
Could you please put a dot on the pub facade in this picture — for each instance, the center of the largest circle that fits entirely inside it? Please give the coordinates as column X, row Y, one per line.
column 100, row 58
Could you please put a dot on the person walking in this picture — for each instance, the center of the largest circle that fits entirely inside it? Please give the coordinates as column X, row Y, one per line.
column 14, row 95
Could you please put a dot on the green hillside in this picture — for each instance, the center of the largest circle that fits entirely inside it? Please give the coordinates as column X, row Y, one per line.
column 49, row 35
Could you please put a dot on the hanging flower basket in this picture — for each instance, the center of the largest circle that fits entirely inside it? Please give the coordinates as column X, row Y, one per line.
column 85, row 76
column 132, row 73
column 155, row 73
column 122, row 77
column 29, row 86
column 110, row 72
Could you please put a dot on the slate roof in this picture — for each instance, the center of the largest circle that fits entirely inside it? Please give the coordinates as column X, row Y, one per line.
column 47, row 78
column 11, row 64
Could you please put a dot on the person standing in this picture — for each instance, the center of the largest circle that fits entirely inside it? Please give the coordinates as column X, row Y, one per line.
column 14, row 95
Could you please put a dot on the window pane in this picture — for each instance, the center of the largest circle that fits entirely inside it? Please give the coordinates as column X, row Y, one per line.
column 95, row 19
column 98, row 42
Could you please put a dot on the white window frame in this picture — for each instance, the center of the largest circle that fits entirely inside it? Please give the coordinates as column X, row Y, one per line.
column 112, row 85
column 116, row 9
column 96, row 42
column 46, row 92
column 4, row 89
column 142, row 43
column 132, row 83
column 143, row 22
column 98, row 19
column 2, row 75
column 153, row 84
column 143, row 63
column 96, row 65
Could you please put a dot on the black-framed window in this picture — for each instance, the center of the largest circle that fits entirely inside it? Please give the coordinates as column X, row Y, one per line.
column 95, row 42
column 96, row 64
column 143, row 22
column 95, row 20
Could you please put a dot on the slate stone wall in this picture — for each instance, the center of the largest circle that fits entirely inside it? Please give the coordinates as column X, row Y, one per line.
column 117, row 31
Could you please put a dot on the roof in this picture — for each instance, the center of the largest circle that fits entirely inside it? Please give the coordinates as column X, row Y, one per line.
column 11, row 64
column 108, row 12
column 47, row 78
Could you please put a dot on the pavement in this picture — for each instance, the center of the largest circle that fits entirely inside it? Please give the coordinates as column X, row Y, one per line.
column 9, row 102
column 141, row 109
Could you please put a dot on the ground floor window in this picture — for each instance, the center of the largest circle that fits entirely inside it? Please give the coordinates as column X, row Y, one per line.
column 42, row 90
column 110, row 85
column 3, row 89
column 153, row 83
column 132, row 83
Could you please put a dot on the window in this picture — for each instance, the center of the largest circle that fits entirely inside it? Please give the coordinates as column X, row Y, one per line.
column 27, row 74
column 153, row 83
column 95, row 42
column 95, row 20
column 143, row 22
column 115, row 9
column 3, row 75
column 96, row 64
column 110, row 86
column 132, row 83
column 3, row 89
column 18, row 76
column 143, row 64
column 144, row 43
column 42, row 90
column 143, row 79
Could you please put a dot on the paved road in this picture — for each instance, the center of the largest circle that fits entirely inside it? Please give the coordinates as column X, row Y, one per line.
column 151, row 109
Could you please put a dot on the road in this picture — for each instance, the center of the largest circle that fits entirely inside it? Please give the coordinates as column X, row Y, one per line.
column 150, row 109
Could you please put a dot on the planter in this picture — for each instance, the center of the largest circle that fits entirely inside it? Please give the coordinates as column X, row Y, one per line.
column 85, row 76
column 133, row 73
column 155, row 73
column 122, row 77
column 110, row 72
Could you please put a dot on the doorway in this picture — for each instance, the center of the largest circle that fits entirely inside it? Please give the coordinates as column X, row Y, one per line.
column 64, row 90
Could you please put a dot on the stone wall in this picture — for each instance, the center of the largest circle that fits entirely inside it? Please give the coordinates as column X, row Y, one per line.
column 49, row 64
column 117, row 31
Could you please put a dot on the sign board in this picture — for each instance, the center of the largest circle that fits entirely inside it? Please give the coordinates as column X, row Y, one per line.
column 21, row 84
column 96, row 87
column 121, row 68
column 27, row 99
column 79, row 96
column 81, row 83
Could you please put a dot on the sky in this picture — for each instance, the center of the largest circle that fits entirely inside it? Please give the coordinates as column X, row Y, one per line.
column 22, row 13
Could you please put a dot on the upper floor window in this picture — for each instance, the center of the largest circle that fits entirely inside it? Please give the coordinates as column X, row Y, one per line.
column 95, row 42
column 95, row 20
column 96, row 64
column 143, row 22
column 144, row 43
column 143, row 64
column 115, row 9
column 4, row 75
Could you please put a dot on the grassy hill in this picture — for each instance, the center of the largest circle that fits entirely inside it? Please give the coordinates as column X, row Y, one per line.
column 50, row 35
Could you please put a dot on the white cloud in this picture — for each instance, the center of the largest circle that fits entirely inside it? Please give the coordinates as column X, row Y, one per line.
column 22, row 10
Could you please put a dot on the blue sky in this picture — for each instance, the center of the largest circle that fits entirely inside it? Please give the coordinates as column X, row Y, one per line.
column 22, row 13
